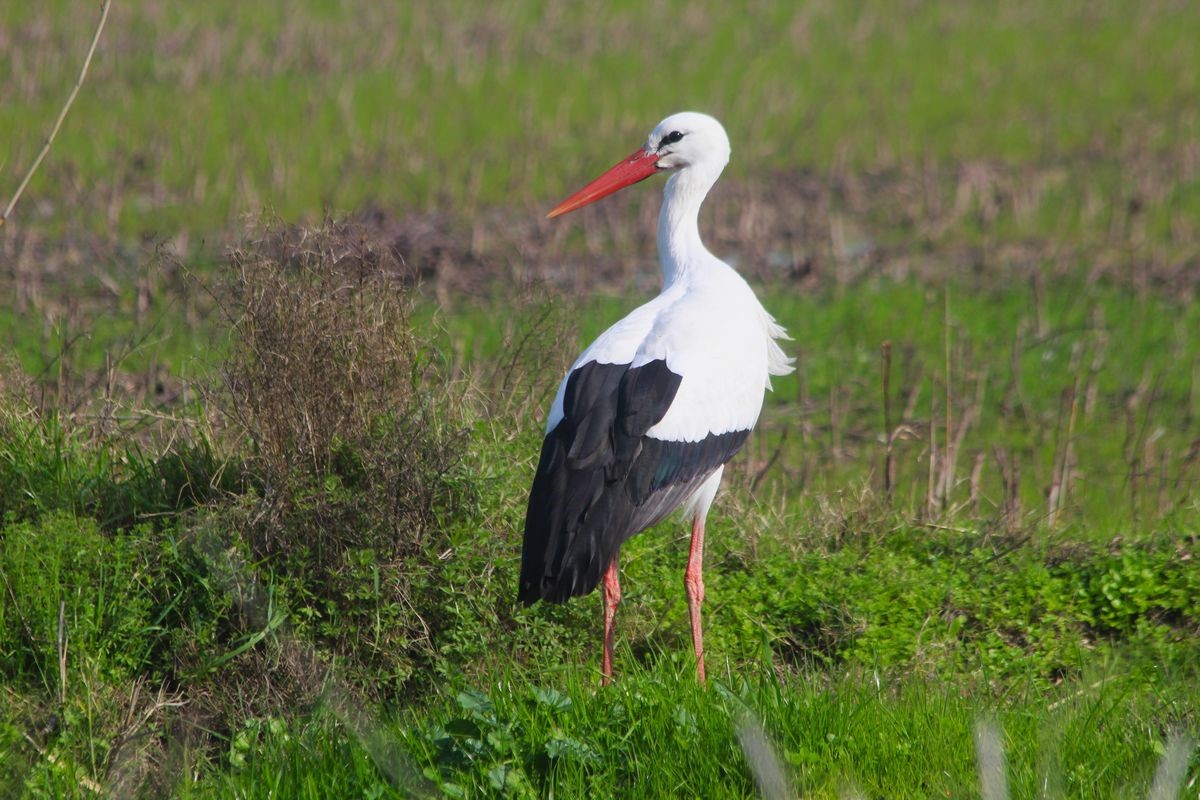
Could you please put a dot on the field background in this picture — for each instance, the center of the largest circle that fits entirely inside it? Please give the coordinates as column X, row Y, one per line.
column 283, row 316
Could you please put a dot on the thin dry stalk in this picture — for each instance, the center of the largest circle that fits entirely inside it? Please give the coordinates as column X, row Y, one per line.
column 1164, row 484
column 931, row 492
column 807, row 433
column 1010, row 477
column 1092, row 390
column 1061, row 473
column 954, row 446
column 835, row 424
column 914, row 395
column 770, row 462
column 968, row 418
column 887, row 419
column 1015, row 396
column 976, row 482
column 1193, row 406
column 1038, row 286
column 1135, row 432
column 62, row 114
column 947, row 477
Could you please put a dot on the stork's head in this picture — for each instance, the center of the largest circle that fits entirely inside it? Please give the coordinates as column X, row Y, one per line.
column 686, row 139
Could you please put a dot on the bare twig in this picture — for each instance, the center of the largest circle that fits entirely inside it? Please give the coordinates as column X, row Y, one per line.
column 87, row 62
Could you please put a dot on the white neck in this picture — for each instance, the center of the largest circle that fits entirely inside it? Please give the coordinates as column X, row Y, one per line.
column 680, row 251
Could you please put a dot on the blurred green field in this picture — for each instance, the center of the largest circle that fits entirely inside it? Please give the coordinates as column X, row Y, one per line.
column 199, row 600
column 197, row 113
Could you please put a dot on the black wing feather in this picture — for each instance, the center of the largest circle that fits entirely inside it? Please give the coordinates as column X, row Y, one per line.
column 600, row 479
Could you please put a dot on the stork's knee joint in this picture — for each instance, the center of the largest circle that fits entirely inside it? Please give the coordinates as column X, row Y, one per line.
column 612, row 591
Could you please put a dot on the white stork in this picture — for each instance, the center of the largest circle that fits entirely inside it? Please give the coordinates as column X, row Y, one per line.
column 648, row 415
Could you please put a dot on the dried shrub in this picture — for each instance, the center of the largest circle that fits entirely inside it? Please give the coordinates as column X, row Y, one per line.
column 355, row 439
column 348, row 417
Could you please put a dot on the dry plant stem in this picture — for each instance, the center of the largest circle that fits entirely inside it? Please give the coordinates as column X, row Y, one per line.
column 1010, row 475
column 835, row 422
column 87, row 62
column 976, row 481
column 931, row 492
column 948, row 466
column 771, row 461
column 1061, row 484
column 887, row 419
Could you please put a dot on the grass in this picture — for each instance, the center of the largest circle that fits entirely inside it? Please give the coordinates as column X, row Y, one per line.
column 522, row 86
column 906, row 620
column 231, row 569
column 1096, row 346
column 991, row 609
column 521, row 738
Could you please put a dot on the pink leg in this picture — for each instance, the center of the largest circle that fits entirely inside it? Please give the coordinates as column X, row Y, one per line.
column 693, row 581
column 612, row 599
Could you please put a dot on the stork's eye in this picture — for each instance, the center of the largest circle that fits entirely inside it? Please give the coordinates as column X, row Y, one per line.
column 670, row 138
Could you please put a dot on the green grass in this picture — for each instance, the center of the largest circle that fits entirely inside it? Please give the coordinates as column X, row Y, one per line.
column 868, row 644
column 1097, row 345
column 196, row 114
column 656, row 734
column 1073, row 657
column 833, row 612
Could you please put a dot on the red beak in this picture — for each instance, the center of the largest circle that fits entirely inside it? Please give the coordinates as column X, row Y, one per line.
column 637, row 167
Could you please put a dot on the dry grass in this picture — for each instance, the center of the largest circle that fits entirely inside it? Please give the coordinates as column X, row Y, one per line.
column 331, row 387
column 321, row 344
